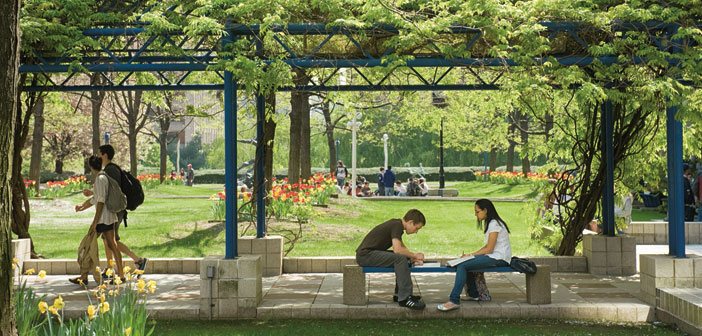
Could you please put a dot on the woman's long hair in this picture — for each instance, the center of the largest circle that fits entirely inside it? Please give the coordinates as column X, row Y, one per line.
column 486, row 204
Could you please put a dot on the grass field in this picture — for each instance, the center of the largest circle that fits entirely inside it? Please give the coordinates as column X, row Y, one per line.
column 405, row 327
column 168, row 226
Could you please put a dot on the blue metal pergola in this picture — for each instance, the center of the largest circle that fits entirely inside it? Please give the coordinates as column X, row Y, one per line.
column 140, row 52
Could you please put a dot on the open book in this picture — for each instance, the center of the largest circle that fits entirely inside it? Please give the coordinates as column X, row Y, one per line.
column 455, row 262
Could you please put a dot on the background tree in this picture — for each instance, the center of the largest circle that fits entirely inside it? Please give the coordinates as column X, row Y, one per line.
column 131, row 111
column 9, row 107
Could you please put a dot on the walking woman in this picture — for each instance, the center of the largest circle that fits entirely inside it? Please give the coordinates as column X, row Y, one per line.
column 497, row 252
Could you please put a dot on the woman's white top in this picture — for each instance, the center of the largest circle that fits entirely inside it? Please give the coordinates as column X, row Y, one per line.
column 502, row 250
column 100, row 195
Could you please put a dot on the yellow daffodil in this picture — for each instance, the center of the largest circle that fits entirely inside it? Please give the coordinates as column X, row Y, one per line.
column 138, row 272
column 111, row 263
column 58, row 303
column 53, row 310
column 29, row 271
column 13, row 267
column 97, row 269
column 152, row 286
column 141, row 285
column 109, row 272
column 118, row 280
column 127, row 269
column 104, row 307
column 43, row 306
column 102, row 287
column 91, row 312
column 15, row 261
column 42, row 274
column 128, row 331
column 111, row 292
column 102, row 297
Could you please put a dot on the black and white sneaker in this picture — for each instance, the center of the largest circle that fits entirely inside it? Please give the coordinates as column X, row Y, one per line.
column 411, row 303
column 415, row 297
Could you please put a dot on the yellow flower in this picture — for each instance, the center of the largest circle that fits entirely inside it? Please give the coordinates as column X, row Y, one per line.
column 102, row 297
column 97, row 269
column 53, row 310
column 104, row 307
column 29, row 271
column 128, row 331
column 138, row 272
column 58, row 303
column 112, row 263
column 141, row 285
column 152, row 286
column 111, row 292
column 42, row 274
column 15, row 261
column 118, row 280
column 127, row 269
column 43, row 306
column 91, row 311
column 13, row 267
column 109, row 271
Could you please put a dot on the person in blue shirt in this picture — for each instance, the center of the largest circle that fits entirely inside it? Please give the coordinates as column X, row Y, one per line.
column 389, row 182
column 381, row 186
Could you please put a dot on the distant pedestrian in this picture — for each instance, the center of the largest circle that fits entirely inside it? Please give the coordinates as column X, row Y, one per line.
column 389, row 182
column 191, row 175
column 688, row 194
column 400, row 189
column 424, row 188
column 381, row 186
column 182, row 175
column 341, row 173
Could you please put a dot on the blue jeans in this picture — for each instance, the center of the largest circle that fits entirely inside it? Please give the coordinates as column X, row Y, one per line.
column 479, row 262
column 389, row 191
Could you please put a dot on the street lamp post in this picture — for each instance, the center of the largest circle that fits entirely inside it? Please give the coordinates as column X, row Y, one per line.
column 354, row 125
column 385, row 149
column 107, row 138
column 336, row 150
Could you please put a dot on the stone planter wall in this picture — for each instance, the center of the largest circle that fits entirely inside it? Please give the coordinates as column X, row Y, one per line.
column 234, row 290
column 657, row 232
column 610, row 255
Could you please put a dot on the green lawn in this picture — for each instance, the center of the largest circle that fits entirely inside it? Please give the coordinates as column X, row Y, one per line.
column 490, row 190
column 405, row 327
column 179, row 227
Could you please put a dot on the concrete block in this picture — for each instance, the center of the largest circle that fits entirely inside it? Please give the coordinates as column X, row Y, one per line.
column 663, row 266
column 248, row 303
column 628, row 243
column 229, row 268
column 649, row 229
column 227, row 288
column 58, row 267
column 208, row 288
column 32, row 264
column 274, row 244
column 227, row 308
column 320, row 311
column 243, row 245
column 684, row 268
column 538, row 285
column 628, row 259
column 304, row 265
column 355, row 292
column 614, row 244
column 290, row 265
column 598, row 259
column 207, row 261
column 649, row 239
column 684, row 282
column 299, row 313
column 614, row 270
column 159, row 266
column 587, row 243
column 258, row 246
column 247, row 313
column 580, row 265
column 694, row 230
column 599, row 243
column 270, row 271
column 586, row 311
column 319, row 265
column 249, row 288
column 208, row 308
column 347, row 261
column 273, row 260
column 43, row 265
column 565, row 264
column 660, row 239
column 175, row 266
column 72, row 267
column 190, row 266
column 333, row 265
column 250, row 266
column 598, row 270
column 614, row 259
column 629, row 270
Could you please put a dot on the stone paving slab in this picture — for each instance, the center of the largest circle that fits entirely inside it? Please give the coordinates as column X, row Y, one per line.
column 312, row 295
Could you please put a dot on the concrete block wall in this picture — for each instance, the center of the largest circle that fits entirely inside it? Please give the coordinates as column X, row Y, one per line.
column 657, row 232
column 22, row 250
column 610, row 255
column 153, row 266
column 664, row 271
column 685, row 306
column 270, row 249
column 234, row 290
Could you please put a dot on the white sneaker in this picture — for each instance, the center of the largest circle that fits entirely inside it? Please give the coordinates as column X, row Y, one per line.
column 448, row 306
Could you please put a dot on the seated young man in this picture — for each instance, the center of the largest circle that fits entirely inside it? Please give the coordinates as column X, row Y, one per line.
column 373, row 252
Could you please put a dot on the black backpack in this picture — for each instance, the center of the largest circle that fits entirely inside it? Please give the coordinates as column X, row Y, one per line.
column 523, row 265
column 131, row 187
column 413, row 189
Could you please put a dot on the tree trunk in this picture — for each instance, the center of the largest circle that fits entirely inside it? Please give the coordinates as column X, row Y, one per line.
column 512, row 144
column 9, row 102
column 295, row 133
column 493, row 159
column 58, row 167
column 269, row 134
column 165, row 123
column 299, row 153
column 329, row 130
column 305, row 138
column 37, row 144
column 132, row 153
column 524, row 153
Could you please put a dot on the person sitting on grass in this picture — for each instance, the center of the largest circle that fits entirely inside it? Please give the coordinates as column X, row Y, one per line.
column 496, row 252
column 104, row 221
column 373, row 252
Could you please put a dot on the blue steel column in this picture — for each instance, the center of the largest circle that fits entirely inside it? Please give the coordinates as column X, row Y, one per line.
column 608, row 223
column 260, row 155
column 676, row 221
column 231, row 227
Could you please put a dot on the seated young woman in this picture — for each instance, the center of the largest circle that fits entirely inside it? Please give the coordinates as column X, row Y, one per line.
column 497, row 252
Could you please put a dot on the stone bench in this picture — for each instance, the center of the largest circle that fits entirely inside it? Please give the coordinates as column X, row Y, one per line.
column 538, row 285
column 446, row 192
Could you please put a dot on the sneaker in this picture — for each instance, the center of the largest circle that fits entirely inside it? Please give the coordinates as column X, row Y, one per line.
column 448, row 306
column 469, row 298
column 141, row 265
column 411, row 303
column 78, row 281
column 415, row 297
